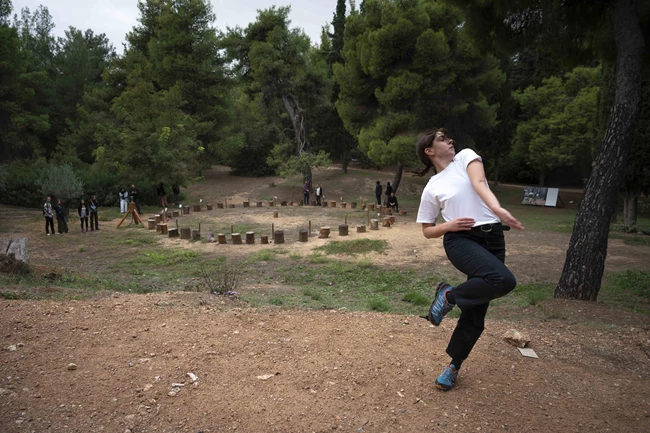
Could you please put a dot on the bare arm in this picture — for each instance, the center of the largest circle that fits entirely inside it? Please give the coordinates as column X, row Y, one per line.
column 430, row 230
column 476, row 175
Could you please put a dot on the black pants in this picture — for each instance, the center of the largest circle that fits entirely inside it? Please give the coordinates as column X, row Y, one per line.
column 83, row 220
column 305, row 198
column 61, row 225
column 318, row 203
column 481, row 257
column 49, row 224
column 94, row 218
column 137, row 206
column 378, row 199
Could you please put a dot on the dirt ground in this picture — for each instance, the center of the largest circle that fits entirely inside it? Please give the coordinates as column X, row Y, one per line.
column 316, row 371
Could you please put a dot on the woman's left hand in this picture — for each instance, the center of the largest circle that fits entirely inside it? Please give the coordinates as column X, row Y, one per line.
column 507, row 219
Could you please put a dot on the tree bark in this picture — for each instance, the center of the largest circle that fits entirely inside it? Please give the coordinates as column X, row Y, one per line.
column 585, row 259
column 398, row 177
column 630, row 202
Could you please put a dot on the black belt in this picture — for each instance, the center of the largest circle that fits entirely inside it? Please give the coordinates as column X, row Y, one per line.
column 487, row 228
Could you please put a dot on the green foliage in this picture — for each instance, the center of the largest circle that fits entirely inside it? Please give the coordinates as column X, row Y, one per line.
column 416, row 298
column 21, row 182
column 61, row 182
column 379, row 304
column 558, row 120
column 410, row 66
column 354, row 247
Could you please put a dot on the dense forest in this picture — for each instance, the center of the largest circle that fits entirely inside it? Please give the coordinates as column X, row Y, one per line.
column 549, row 93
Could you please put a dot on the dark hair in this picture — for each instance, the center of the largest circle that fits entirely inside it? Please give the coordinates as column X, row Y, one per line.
column 425, row 140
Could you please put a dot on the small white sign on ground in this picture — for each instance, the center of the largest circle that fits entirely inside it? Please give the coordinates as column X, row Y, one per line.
column 528, row 352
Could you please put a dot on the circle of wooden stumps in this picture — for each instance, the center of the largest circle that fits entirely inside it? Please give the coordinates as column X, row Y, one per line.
column 250, row 238
column 278, row 236
column 374, row 224
column 343, row 230
column 324, row 232
column 303, row 235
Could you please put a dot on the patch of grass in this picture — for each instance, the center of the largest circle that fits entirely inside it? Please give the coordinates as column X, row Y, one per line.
column 629, row 289
column 167, row 257
column 137, row 240
column 318, row 258
column 262, row 256
column 354, row 247
column 379, row 304
column 277, row 301
column 312, row 293
column 533, row 294
column 416, row 298
column 12, row 296
column 295, row 256
column 631, row 239
column 81, row 249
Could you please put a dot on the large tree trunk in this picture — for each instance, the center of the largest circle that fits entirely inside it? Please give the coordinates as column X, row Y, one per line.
column 585, row 259
column 398, row 177
column 630, row 202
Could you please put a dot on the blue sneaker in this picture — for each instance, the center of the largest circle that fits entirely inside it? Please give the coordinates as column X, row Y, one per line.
column 447, row 379
column 440, row 307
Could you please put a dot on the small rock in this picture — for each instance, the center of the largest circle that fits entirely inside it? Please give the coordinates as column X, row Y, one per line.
column 147, row 387
column 72, row 366
column 516, row 338
column 12, row 348
column 265, row 376
column 193, row 377
column 172, row 393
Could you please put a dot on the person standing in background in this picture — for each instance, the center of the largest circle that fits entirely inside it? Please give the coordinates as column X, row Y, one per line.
column 134, row 198
column 49, row 216
column 305, row 193
column 319, row 195
column 93, row 213
column 389, row 191
column 378, row 193
column 124, row 200
column 61, row 223
column 83, row 215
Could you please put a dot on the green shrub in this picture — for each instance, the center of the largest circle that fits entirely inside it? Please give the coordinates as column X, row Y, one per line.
column 416, row 298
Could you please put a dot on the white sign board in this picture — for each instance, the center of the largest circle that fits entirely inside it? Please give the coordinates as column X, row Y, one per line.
column 551, row 197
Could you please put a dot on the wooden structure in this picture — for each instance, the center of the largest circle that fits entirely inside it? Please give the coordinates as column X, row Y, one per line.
column 386, row 222
column 173, row 232
column 219, row 205
column 374, row 224
column 151, row 223
column 343, row 230
column 275, row 214
column 186, row 233
column 278, row 236
column 247, row 204
column 324, row 203
column 196, row 235
column 186, row 210
column 236, row 238
column 353, row 205
column 162, row 228
column 250, row 238
column 303, row 235
column 344, row 204
column 271, row 203
column 370, row 207
column 134, row 213
column 392, row 219
column 231, row 205
column 361, row 229
column 332, row 203
column 175, row 214
column 209, row 206
column 221, row 238
column 196, row 208
column 264, row 239
column 324, row 232
column 259, row 204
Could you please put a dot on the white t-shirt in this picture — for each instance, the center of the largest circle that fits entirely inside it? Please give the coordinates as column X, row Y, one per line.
column 451, row 193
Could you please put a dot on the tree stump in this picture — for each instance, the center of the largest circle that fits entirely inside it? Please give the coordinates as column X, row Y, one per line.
column 264, row 240
column 151, row 223
column 275, row 214
column 312, row 203
column 219, row 205
column 324, row 233
column 343, row 230
column 186, row 233
column 259, row 204
column 175, row 214
column 157, row 218
column 196, row 235
column 361, row 229
column 247, row 204
column 221, row 238
column 250, row 238
column 344, row 204
column 209, row 206
column 173, row 233
column 14, row 255
column 374, row 224
column 231, row 206
column 386, row 222
column 236, row 238
column 370, row 207
column 324, row 203
column 402, row 212
column 303, row 235
column 163, row 228
column 271, row 203
column 291, row 203
column 158, row 228
column 392, row 219
column 353, row 205
column 186, row 210
column 283, row 203
column 332, row 203
column 278, row 236
column 196, row 208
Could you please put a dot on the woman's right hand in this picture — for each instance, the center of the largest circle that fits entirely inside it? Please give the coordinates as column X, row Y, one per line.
column 461, row 224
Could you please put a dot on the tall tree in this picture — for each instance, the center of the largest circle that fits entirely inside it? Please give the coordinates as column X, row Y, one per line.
column 572, row 29
column 409, row 66
column 280, row 64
